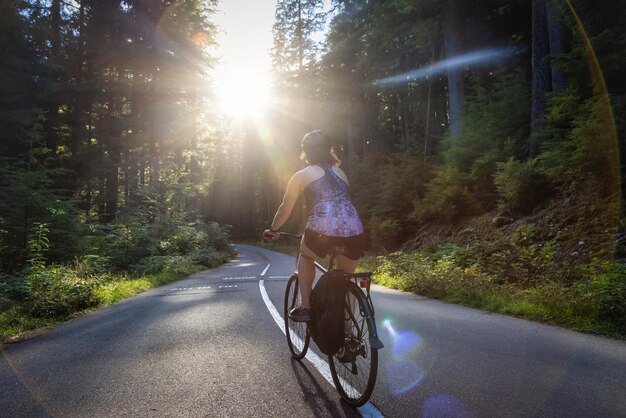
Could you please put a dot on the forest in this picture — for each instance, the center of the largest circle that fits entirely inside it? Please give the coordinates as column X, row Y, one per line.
column 483, row 140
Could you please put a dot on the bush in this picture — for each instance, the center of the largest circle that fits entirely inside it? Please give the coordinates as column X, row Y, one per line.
column 520, row 185
column 58, row 291
column 136, row 245
column 384, row 188
column 494, row 129
column 178, row 264
column 605, row 284
column 447, row 200
column 578, row 144
column 383, row 233
column 559, row 303
column 445, row 273
column 210, row 257
column 92, row 264
column 13, row 288
column 183, row 240
column 150, row 265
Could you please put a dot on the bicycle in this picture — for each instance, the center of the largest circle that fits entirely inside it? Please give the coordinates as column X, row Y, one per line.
column 354, row 368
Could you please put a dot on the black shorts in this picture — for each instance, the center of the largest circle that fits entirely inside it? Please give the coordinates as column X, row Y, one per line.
column 321, row 244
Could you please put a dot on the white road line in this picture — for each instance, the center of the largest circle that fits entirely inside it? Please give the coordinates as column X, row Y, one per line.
column 367, row 410
column 179, row 289
column 239, row 278
column 279, row 277
column 265, row 271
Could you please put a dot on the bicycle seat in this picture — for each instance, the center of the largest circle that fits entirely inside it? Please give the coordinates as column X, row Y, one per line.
column 336, row 250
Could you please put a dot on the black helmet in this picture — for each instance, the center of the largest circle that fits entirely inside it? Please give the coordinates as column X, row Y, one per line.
column 315, row 138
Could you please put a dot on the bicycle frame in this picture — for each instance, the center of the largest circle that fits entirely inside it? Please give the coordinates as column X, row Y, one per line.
column 352, row 278
column 361, row 322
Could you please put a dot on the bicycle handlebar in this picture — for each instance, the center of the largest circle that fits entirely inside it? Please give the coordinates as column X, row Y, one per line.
column 290, row 235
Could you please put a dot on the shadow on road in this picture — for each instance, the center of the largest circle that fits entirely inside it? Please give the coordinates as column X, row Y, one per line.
column 320, row 402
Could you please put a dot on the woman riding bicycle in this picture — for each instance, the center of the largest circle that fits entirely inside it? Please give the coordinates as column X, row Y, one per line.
column 333, row 219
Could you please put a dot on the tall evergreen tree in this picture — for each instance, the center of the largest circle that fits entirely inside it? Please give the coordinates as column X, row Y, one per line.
column 540, row 65
column 456, row 83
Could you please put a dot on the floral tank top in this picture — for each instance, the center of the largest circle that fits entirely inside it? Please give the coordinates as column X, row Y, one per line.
column 332, row 212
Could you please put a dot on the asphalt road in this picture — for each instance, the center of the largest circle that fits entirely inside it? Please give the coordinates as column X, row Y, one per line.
column 209, row 345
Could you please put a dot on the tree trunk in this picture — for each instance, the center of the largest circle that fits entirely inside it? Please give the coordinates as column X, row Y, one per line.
column 456, row 84
column 427, row 130
column 55, row 23
column 350, row 134
column 404, row 100
column 54, row 60
column 555, row 37
column 111, row 189
column 300, row 40
column 540, row 67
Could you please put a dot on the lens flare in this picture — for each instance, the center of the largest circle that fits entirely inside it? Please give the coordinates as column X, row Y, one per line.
column 403, row 376
column 610, row 140
column 201, row 39
column 404, row 369
column 402, row 343
column 482, row 57
column 441, row 405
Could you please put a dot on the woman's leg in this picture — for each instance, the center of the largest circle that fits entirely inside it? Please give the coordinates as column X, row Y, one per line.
column 306, row 274
column 346, row 264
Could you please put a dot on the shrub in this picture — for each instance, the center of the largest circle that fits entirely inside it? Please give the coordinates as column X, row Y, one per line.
column 150, row 265
column 605, row 284
column 217, row 236
column 210, row 257
column 13, row 288
column 445, row 273
column 183, row 240
column 578, row 145
column 520, row 185
column 178, row 264
column 92, row 264
column 447, row 200
column 138, row 245
column 559, row 303
column 384, row 188
column 383, row 233
column 494, row 128
column 123, row 244
column 58, row 291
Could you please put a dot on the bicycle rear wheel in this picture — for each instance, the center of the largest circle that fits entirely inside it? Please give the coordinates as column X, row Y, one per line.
column 355, row 366
column 298, row 336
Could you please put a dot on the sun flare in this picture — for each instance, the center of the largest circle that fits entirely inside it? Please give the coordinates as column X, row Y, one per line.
column 242, row 93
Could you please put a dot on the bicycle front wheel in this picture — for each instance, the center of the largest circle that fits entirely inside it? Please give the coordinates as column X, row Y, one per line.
column 355, row 366
column 297, row 332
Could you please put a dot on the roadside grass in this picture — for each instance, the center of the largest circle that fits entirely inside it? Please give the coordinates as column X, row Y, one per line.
column 18, row 321
column 593, row 304
column 589, row 298
column 127, row 287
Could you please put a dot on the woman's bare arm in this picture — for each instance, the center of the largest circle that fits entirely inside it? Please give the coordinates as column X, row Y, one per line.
column 294, row 188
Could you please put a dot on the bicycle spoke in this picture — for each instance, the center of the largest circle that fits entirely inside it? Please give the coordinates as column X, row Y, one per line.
column 355, row 374
column 297, row 332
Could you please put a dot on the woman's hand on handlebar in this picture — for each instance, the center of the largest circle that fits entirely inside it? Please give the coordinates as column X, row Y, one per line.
column 269, row 235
